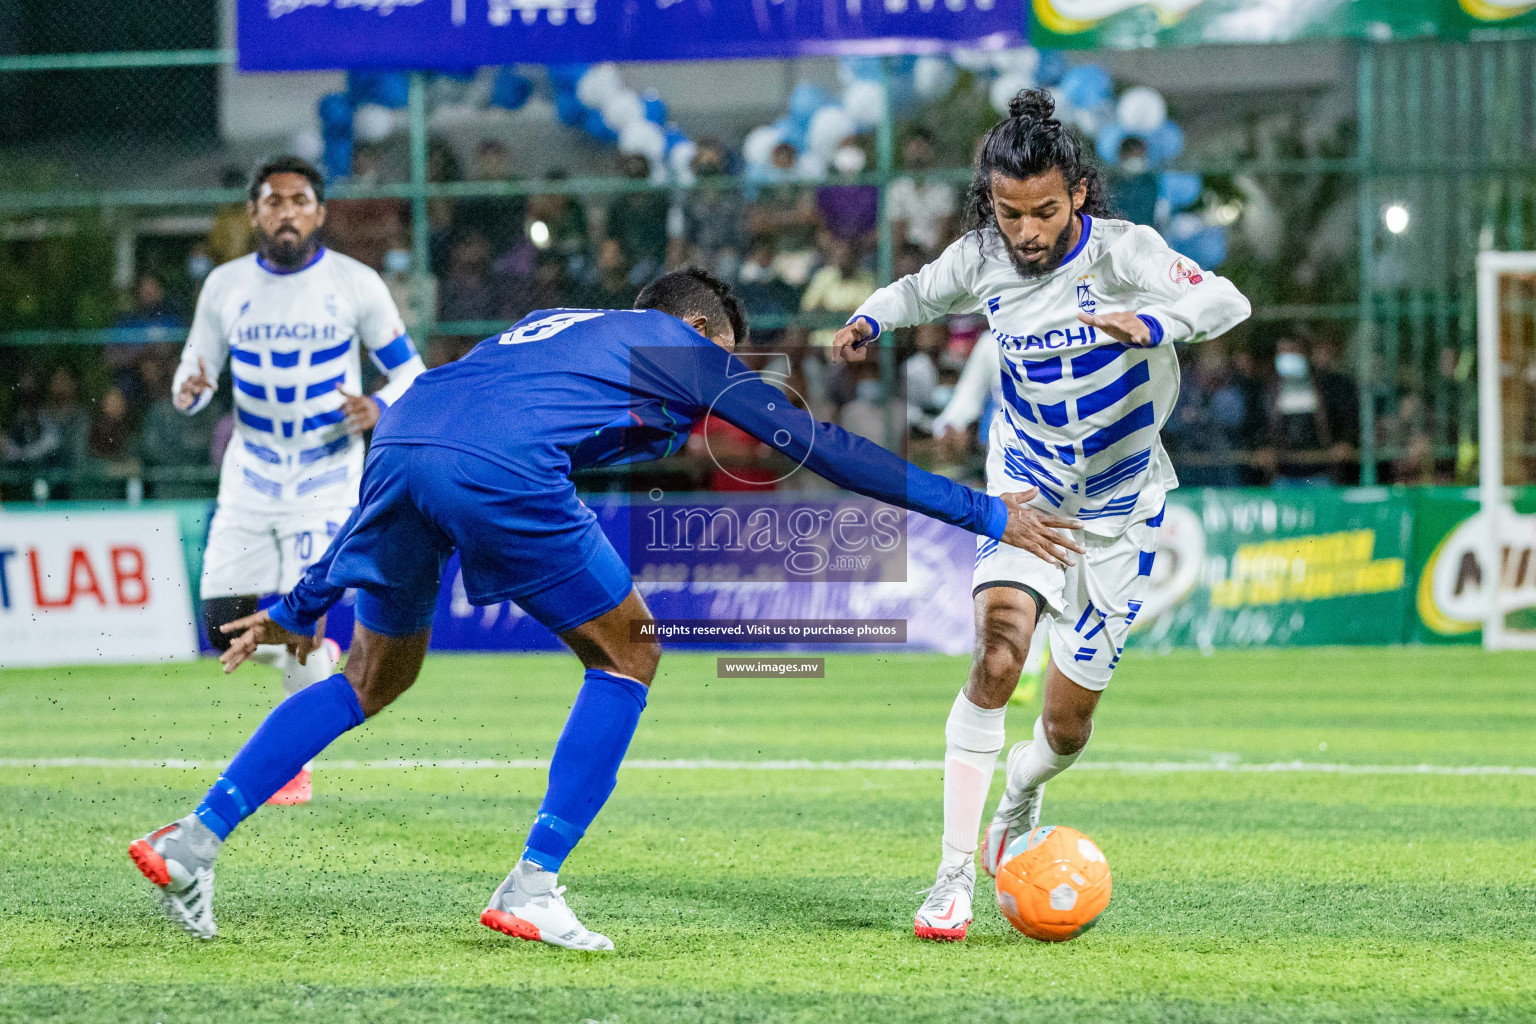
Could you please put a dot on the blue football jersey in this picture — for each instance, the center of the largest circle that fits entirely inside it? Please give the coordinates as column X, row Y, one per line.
column 569, row 389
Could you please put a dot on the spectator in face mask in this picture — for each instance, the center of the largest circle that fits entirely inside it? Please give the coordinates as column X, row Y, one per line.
column 866, row 415
column 848, row 211
column 711, row 232
column 1133, row 186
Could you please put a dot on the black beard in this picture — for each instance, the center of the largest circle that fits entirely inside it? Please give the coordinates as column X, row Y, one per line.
column 1047, row 264
column 287, row 252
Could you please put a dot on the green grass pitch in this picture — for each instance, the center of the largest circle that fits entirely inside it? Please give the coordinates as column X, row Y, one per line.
column 787, row 895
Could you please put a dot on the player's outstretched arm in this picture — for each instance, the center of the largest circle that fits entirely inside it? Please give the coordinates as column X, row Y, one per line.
column 939, row 289
column 258, row 629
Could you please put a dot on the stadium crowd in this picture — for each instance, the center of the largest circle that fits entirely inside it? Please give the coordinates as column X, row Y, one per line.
column 799, row 253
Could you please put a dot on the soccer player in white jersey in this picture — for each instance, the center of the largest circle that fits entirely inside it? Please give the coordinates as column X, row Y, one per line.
column 1085, row 310
column 289, row 319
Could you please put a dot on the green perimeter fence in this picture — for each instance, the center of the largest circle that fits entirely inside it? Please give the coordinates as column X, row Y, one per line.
column 1443, row 129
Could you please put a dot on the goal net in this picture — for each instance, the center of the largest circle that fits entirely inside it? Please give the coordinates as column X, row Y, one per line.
column 1506, row 386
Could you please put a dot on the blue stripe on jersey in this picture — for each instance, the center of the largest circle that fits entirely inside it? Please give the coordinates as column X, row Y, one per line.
column 254, row 422
column 985, row 548
column 1067, row 454
column 254, row 390
column 288, row 428
column 1040, row 448
column 1096, row 359
column 1031, row 464
column 325, row 387
column 1115, row 391
column 309, row 455
column 285, row 395
column 1043, row 371
column 314, row 483
column 264, row 453
column 1011, row 396
column 1157, row 520
column 1055, row 415
column 1144, row 563
column 1118, row 507
column 260, row 483
column 1137, row 419
column 1019, row 466
column 1124, row 469
column 325, row 419
column 286, row 359
column 396, row 352
column 246, row 356
column 325, row 355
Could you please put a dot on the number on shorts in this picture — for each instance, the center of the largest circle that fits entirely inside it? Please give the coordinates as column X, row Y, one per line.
column 303, row 545
column 547, row 327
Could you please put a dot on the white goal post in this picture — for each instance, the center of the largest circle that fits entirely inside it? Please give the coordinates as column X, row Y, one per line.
column 1506, row 362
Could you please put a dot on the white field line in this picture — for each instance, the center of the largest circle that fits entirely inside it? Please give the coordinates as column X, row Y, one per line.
column 707, row 764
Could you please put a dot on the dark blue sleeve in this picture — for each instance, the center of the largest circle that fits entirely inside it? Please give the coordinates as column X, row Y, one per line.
column 712, row 380
column 301, row 608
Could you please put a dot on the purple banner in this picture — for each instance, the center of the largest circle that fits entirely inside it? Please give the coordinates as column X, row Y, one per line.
column 306, row 35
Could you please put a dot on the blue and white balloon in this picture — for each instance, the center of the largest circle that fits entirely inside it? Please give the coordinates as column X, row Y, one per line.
column 932, row 78
column 805, row 101
column 622, row 109
column 1179, row 189
column 655, row 107
column 828, row 128
column 757, row 148
column 510, row 90
column 865, row 102
column 599, row 83
column 373, row 123
column 1087, row 86
column 1141, row 110
column 1166, row 144
column 645, row 138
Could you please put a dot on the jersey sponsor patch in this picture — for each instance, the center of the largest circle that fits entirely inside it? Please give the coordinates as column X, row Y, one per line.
column 1185, row 270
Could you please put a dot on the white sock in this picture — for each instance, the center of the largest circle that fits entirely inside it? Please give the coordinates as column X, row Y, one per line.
column 973, row 738
column 533, row 879
column 1039, row 763
column 296, row 677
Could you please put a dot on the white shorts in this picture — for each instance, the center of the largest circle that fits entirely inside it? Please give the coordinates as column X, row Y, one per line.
column 265, row 553
column 1090, row 606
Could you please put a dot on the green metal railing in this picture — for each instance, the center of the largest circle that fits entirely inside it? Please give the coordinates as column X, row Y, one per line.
column 1444, row 129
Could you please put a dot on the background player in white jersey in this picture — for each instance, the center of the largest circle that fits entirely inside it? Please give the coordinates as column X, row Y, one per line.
column 289, row 319
column 1085, row 310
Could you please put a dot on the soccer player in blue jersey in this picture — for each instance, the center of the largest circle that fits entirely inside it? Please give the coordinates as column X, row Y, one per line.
column 476, row 457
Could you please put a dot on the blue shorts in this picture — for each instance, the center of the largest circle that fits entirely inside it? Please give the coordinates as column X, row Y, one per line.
column 521, row 536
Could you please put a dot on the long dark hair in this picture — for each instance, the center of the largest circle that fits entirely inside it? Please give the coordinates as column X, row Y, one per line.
column 1029, row 141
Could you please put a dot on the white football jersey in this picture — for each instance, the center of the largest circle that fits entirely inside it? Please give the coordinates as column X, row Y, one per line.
column 1081, row 412
column 291, row 339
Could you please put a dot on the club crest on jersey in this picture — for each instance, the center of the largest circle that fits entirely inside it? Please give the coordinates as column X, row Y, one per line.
column 1085, row 300
column 1184, row 270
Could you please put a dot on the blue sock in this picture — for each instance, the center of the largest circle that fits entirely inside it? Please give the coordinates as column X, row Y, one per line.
column 296, row 730
column 586, row 764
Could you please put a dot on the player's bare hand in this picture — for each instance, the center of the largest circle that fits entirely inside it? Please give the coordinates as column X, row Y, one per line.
column 193, row 387
column 1126, row 327
column 258, row 629
column 362, row 411
column 851, row 343
column 1039, row 532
